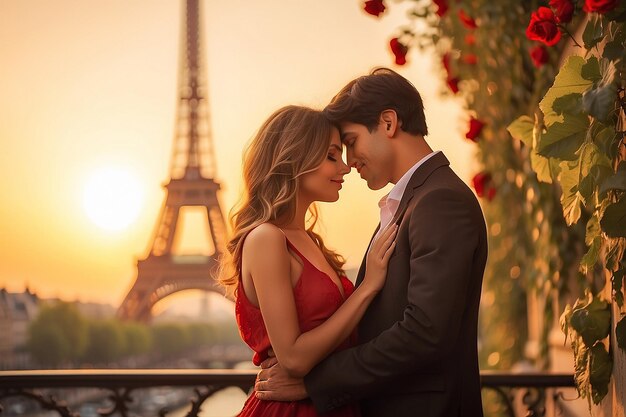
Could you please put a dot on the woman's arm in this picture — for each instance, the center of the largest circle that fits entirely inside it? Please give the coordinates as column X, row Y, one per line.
column 267, row 260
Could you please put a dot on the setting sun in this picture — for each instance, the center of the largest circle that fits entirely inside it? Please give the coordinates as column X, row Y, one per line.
column 112, row 198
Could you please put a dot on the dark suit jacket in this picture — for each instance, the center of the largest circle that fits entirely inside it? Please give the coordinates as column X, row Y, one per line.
column 418, row 351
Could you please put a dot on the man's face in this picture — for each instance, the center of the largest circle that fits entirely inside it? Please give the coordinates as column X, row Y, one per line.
column 369, row 152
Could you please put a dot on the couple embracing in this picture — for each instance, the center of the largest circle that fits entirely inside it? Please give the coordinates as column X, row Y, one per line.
column 400, row 342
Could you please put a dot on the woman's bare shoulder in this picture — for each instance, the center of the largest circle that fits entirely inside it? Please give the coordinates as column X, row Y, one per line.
column 265, row 236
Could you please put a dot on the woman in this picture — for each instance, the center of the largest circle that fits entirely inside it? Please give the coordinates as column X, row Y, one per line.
column 291, row 291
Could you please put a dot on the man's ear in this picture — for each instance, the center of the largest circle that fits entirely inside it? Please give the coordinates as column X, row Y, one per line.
column 389, row 122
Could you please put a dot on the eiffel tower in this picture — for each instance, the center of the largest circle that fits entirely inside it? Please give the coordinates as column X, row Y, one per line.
column 191, row 184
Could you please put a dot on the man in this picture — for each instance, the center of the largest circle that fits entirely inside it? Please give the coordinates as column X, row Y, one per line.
column 418, row 351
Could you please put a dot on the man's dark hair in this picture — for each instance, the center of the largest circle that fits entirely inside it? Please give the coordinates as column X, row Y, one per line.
column 363, row 99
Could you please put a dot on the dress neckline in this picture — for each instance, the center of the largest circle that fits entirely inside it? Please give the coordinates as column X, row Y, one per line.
column 340, row 288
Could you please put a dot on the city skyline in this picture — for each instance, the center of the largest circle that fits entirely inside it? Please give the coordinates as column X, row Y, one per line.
column 90, row 89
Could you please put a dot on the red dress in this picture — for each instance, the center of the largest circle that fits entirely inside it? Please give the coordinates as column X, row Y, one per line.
column 317, row 298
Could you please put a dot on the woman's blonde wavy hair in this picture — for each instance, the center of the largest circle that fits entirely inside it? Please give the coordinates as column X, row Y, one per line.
column 292, row 142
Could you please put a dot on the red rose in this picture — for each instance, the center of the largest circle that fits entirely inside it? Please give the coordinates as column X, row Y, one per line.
column 539, row 55
column 543, row 27
column 470, row 59
column 475, row 127
column 453, row 84
column 470, row 39
column 467, row 20
column 399, row 50
column 563, row 10
column 484, row 186
column 445, row 60
column 442, row 7
column 600, row 6
column 374, row 7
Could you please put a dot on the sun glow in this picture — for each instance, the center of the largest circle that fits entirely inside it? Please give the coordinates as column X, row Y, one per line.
column 112, row 198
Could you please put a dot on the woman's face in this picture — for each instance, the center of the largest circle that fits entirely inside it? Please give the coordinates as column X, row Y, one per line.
column 324, row 183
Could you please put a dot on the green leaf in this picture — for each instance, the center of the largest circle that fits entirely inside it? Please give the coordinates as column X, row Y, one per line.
column 600, row 173
column 613, row 221
column 617, row 282
column 593, row 321
column 592, row 158
column 594, row 167
column 569, row 80
column 599, row 102
column 620, row 333
column 545, row 168
column 562, row 139
column 570, row 103
column 591, row 257
column 565, row 318
column 605, row 139
column 585, row 162
column 581, row 369
column 614, row 50
column 586, row 191
column 617, row 181
column 591, row 70
column 522, row 129
column 600, row 368
column 592, row 230
column 593, row 32
column 570, row 197
column 615, row 249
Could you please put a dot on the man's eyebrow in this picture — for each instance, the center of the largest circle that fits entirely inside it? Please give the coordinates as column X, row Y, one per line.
column 344, row 135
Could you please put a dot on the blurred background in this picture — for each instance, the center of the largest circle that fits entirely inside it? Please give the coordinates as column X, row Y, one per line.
column 89, row 121
column 89, row 104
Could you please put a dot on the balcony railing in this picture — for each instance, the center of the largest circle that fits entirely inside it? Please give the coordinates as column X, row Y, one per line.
column 528, row 394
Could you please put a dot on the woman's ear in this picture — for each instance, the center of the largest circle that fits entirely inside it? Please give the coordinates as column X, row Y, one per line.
column 389, row 122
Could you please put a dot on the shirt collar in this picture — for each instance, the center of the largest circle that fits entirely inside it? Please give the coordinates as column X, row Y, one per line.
column 397, row 191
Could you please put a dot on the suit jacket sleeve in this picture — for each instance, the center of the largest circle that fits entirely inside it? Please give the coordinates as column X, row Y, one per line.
column 443, row 236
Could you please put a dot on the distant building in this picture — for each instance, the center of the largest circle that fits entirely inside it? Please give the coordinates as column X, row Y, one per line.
column 91, row 310
column 17, row 310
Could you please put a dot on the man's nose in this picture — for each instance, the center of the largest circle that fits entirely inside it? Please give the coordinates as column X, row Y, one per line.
column 350, row 160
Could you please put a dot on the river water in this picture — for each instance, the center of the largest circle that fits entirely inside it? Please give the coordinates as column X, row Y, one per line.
column 225, row 403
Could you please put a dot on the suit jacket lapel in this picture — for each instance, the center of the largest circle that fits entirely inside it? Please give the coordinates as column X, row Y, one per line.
column 361, row 274
column 420, row 175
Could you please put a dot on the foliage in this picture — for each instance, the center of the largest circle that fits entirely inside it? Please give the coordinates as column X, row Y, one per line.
column 202, row 334
column 61, row 336
column 171, row 338
column 588, row 323
column 107, row 342
column 47, row 346
column 138, row 339
column 58, row 335
column 560, row 184
column 479, row 44
column 578, row 138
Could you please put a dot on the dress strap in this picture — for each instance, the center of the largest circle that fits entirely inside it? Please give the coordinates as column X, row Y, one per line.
column 293, row 247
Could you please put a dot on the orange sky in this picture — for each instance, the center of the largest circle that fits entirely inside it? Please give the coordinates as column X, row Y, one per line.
column 89, row 84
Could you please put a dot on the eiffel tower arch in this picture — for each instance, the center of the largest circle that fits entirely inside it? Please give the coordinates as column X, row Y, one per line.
column 191, row 184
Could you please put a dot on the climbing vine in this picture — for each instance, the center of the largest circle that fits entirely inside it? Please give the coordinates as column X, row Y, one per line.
column 547, row 116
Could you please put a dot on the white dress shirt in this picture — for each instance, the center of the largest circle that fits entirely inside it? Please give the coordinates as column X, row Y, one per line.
column 389, row 204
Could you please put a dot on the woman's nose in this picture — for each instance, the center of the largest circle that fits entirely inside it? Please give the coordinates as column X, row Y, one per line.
column 344, row 167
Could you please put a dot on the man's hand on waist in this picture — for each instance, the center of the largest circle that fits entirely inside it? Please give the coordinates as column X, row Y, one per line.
column 274, row 384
